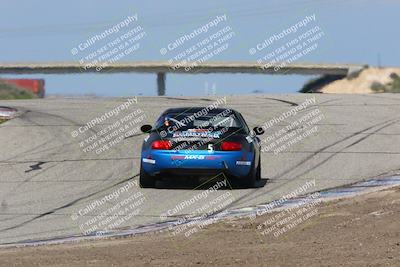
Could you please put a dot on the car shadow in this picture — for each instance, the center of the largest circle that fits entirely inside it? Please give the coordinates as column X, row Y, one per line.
column 195, row 184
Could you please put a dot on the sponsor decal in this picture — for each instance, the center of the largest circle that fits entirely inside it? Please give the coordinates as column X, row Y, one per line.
column 151, row 161
column 245, row 163
column 197, row 133
column 213, row 157
column 197, row 157
column 177, row 157
column 197, row 130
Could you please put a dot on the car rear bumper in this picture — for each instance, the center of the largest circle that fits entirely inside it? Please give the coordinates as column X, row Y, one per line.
column 197, row 162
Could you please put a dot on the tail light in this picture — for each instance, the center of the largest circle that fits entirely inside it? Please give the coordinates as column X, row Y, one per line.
column 161, row 144
column 231, row 146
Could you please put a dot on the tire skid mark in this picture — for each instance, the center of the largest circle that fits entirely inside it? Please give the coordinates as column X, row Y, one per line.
column 252, row 193
column 6, row 163
column 93, row 187
column 26, row 152
column 283, row 101
column 188, row 99
column 21, row 183
column 67, row 205
column 25, row 116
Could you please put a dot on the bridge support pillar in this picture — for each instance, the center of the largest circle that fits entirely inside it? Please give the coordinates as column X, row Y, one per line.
column 161, row 83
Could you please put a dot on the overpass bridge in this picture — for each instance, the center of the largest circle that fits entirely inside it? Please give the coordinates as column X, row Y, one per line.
column 161, row 68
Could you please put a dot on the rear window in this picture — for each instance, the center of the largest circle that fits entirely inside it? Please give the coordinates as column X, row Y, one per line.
column 186, row 121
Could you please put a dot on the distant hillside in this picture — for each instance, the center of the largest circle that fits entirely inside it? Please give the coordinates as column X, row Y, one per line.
column 9, row 91
column 366, row 81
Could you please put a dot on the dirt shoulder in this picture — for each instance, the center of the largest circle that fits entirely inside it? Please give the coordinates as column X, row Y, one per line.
column 361, row 231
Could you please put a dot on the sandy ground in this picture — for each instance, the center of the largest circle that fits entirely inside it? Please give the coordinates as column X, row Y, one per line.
column 362, row 83
column 361, row 231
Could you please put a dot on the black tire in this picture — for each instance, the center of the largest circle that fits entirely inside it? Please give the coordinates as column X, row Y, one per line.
column 258, row 176
column 255, row 175
column 146, row 180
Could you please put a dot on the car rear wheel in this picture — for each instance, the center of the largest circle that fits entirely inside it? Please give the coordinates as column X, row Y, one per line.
column 254, row 176
column 145, row 179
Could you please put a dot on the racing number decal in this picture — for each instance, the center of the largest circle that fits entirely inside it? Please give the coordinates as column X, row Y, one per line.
column 210, row 148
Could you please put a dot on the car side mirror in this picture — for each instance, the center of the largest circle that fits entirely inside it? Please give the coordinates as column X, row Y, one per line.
column 258, row 130
column 146, row 128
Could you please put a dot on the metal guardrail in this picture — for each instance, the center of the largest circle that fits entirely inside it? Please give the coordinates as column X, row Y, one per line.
column 163, row 67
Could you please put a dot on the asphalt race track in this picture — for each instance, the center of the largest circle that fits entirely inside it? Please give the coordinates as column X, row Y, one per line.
column 46, row 178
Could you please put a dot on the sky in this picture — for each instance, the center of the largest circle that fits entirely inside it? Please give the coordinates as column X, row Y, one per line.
column 354, row 31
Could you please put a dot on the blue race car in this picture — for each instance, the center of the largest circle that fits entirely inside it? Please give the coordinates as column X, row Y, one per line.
column 200, row 142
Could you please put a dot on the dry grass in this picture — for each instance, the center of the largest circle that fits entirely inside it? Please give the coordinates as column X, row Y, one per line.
column 9, row 91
